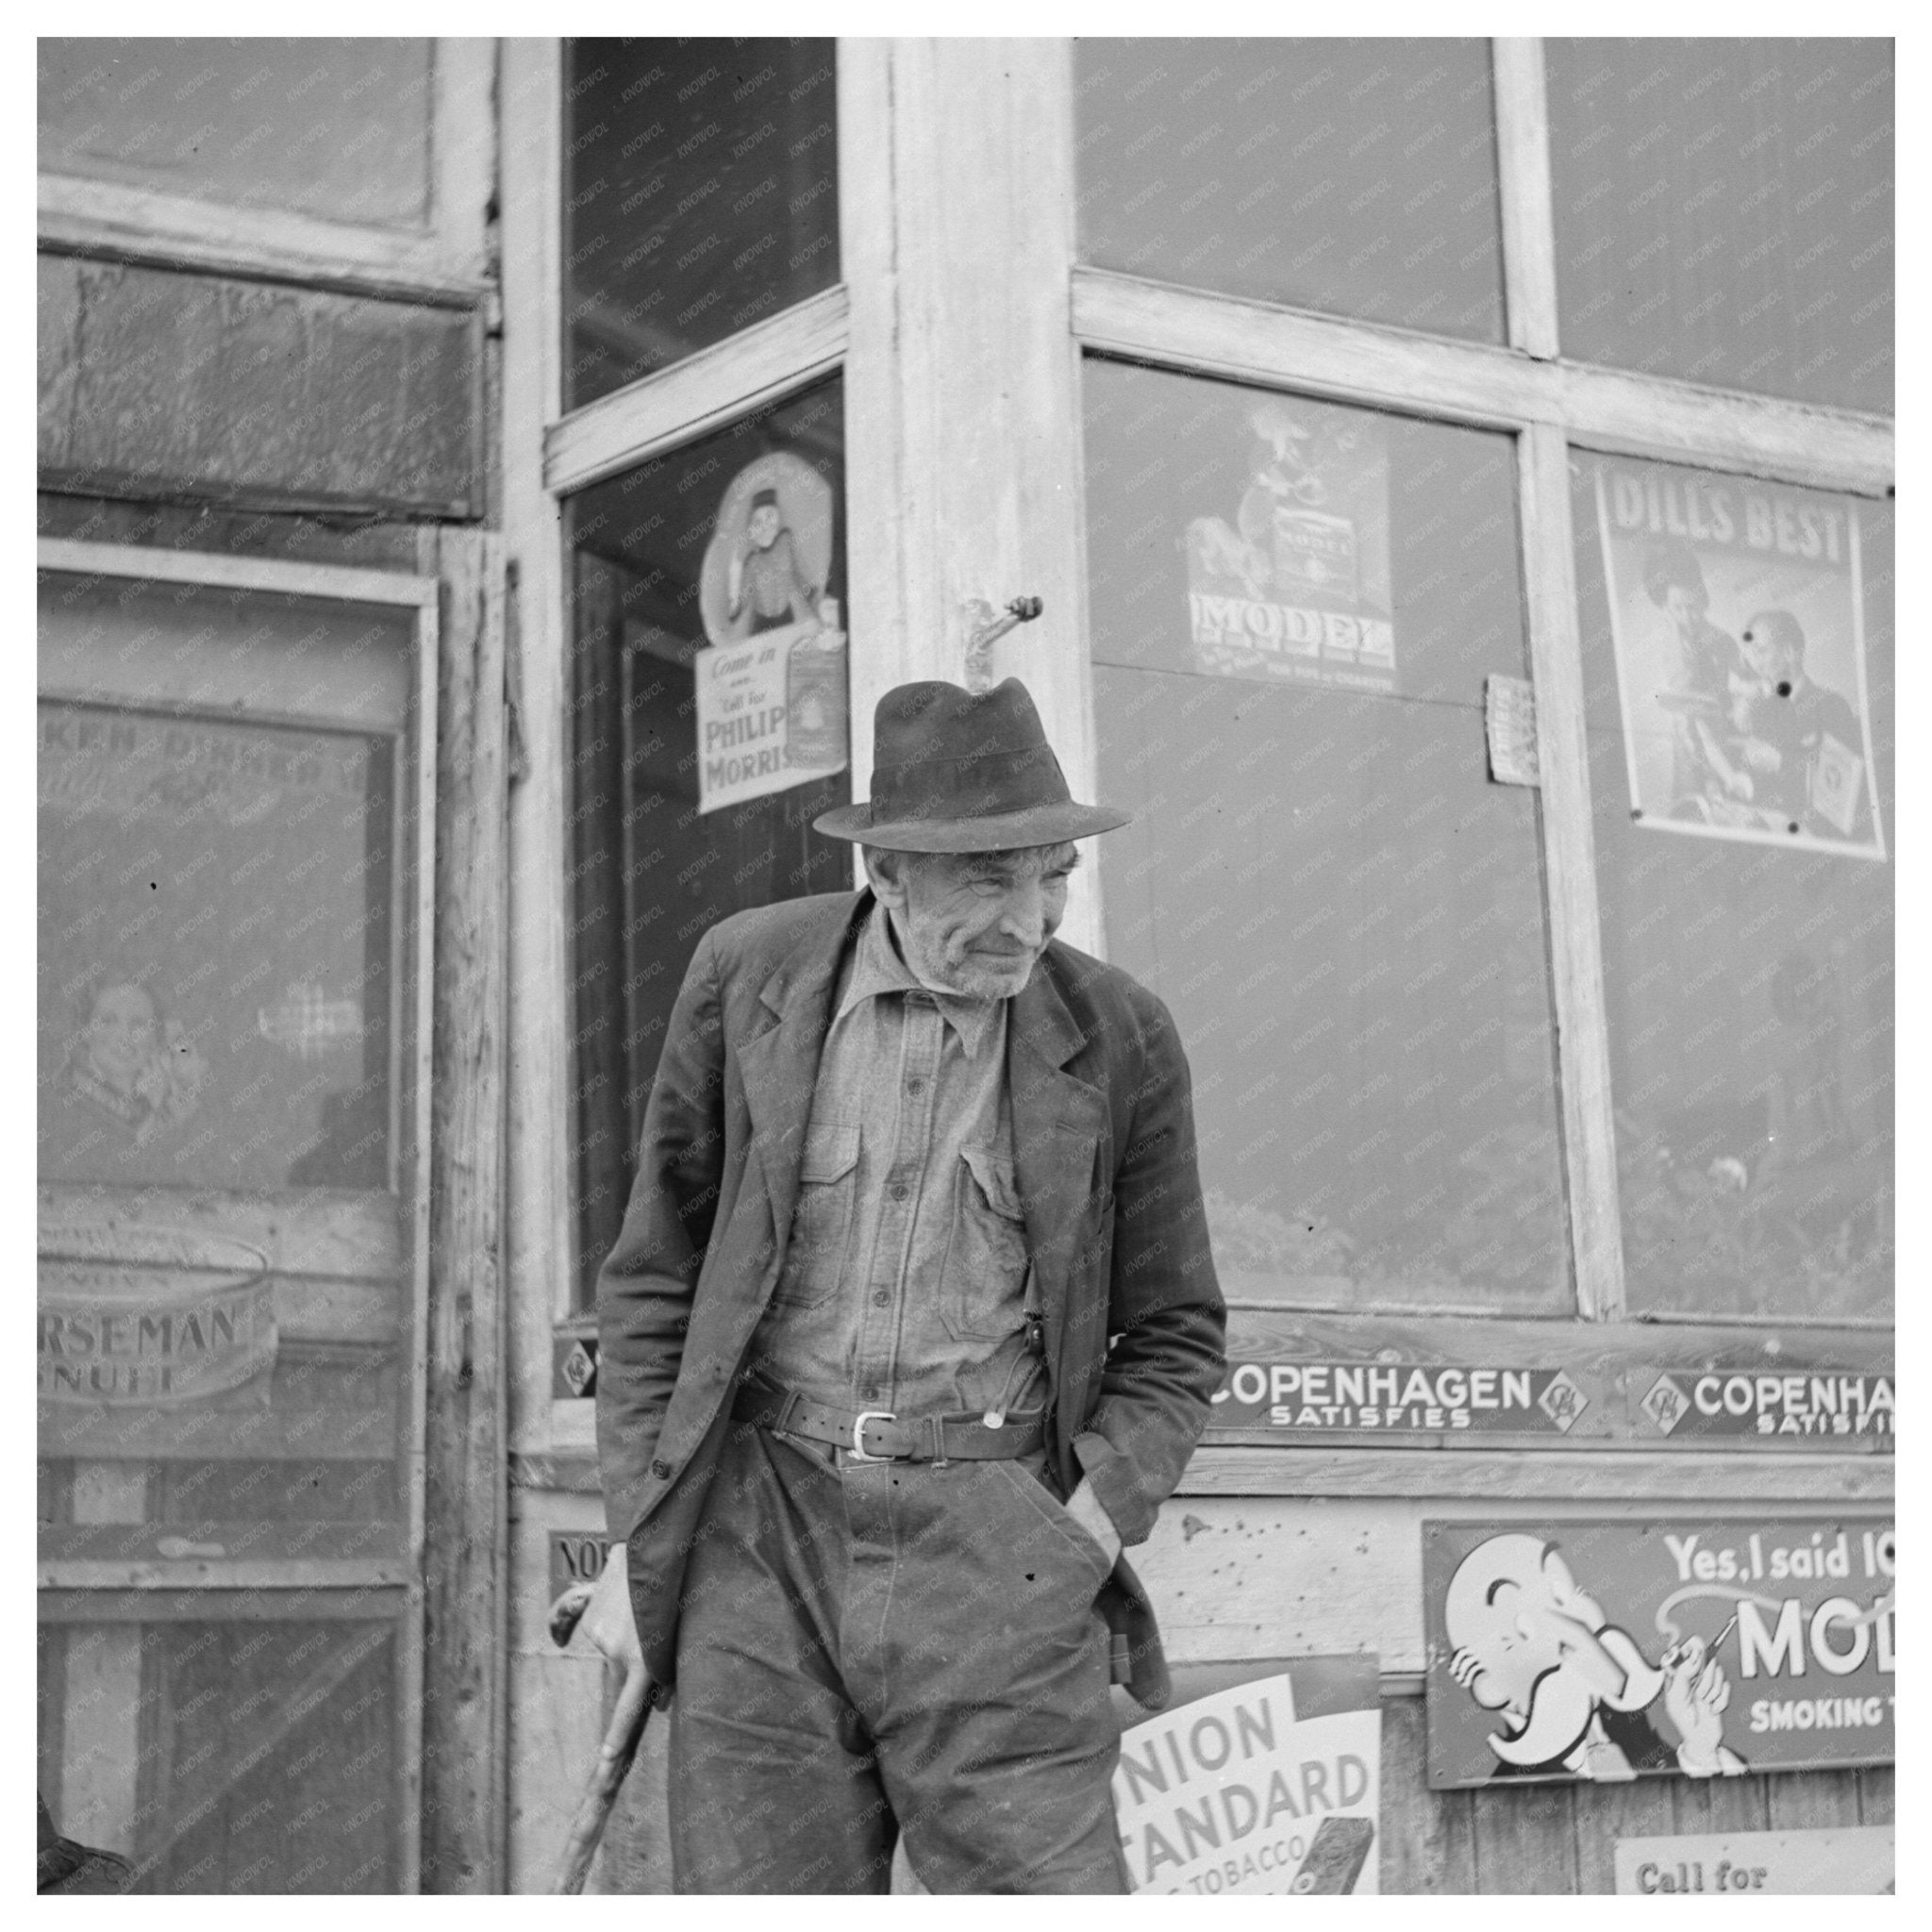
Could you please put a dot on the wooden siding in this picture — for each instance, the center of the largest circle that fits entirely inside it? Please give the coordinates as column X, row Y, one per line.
column 153, row 381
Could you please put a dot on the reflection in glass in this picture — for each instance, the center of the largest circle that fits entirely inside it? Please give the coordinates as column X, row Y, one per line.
column 1343, row 912
column 228, row 1756
column 214, row 901
column 700, row 196
column 1747, row 924
column 1723, row 212
column 1354, row 176
column 735, row 539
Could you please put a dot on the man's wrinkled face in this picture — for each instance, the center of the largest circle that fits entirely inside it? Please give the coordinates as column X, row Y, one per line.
column 976, row 922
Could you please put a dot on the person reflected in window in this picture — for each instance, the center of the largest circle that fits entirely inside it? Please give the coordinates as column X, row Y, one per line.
column 129, row 1063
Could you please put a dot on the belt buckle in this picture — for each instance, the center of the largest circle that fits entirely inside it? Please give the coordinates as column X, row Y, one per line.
column 858, row 1451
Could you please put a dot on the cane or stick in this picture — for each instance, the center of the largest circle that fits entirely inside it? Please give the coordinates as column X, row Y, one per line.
column 604, row 1616
column 614, row 1757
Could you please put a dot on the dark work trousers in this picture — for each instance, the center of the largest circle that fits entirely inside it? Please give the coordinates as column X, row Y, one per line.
column 891, row 1647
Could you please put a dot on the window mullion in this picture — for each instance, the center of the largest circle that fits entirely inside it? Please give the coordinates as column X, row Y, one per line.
column 1523, row 170
column 1576, row 959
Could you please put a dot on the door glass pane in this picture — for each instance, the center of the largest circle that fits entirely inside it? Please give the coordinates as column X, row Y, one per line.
column 1738, row 657
column 1294, row 608
column 228, row 1757
column 338, row 128
column 1354, row 176
column 223, row 1268
column 214, row 972
column 1723, row 212
column 710, row 730
column 700, row 196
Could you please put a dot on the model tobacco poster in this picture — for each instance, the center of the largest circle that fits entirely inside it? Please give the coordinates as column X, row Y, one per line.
column 1736, row 615
column 1271, row 1785
column 1295, row 584
column 1702, row 1647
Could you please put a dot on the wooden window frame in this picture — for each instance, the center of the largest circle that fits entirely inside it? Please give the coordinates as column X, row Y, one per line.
column 94, row 1590
column 1548, row 404
column 549, row 454
column 445, row 262
column 1523, row 388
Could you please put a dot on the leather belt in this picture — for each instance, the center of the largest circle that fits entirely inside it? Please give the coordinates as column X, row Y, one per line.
column 875, row 1435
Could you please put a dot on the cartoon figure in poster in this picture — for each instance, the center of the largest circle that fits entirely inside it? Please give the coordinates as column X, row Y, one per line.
column 130, row 1064
column 1574, row 1693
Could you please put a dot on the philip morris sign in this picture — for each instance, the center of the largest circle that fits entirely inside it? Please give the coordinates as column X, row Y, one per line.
column 1606, row 1650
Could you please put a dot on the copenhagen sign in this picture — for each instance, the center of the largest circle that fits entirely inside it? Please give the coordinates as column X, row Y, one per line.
column 1408, row 1398
column 1809, row 1402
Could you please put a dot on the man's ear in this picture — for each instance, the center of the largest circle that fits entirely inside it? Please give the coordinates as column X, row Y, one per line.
column 884, row 869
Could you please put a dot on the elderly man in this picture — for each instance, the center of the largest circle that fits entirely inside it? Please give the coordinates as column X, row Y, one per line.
column 911, row 1324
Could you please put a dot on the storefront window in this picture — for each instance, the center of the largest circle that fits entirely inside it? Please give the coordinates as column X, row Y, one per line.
column 710, row 693
column 700, row 196
column 338, row 128
column 1345, row 176
column 1294, row 609
column 1723, row 212
column 1737, row 652
column 223, row 1290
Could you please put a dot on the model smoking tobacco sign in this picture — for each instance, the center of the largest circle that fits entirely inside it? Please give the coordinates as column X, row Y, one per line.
column 1703, row 1645
column 1402, row 1397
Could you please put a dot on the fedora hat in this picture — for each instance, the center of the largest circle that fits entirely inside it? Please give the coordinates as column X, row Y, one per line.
column 960, row 771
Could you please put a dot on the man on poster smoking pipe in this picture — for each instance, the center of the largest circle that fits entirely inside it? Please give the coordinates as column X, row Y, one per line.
column 911, row 1324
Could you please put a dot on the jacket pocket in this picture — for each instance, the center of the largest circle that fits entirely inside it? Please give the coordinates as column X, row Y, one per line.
column 815, row 1255
column 985, row 1274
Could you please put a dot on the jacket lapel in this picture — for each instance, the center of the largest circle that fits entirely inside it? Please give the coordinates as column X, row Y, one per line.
column 1058, row 1123
column 780, row 1065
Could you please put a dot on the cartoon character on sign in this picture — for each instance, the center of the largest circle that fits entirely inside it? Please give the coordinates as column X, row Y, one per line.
column 1574, row 1691
column 128, row 1063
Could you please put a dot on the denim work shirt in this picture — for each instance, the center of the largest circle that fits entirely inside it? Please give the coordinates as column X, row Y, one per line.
column 902, row 1286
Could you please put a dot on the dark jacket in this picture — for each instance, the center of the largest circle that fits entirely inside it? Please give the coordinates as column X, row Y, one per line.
column 1104, row 1161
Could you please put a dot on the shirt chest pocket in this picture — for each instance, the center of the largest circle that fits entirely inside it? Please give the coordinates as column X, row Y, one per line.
column 984, row 1278
column 815, row 1256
